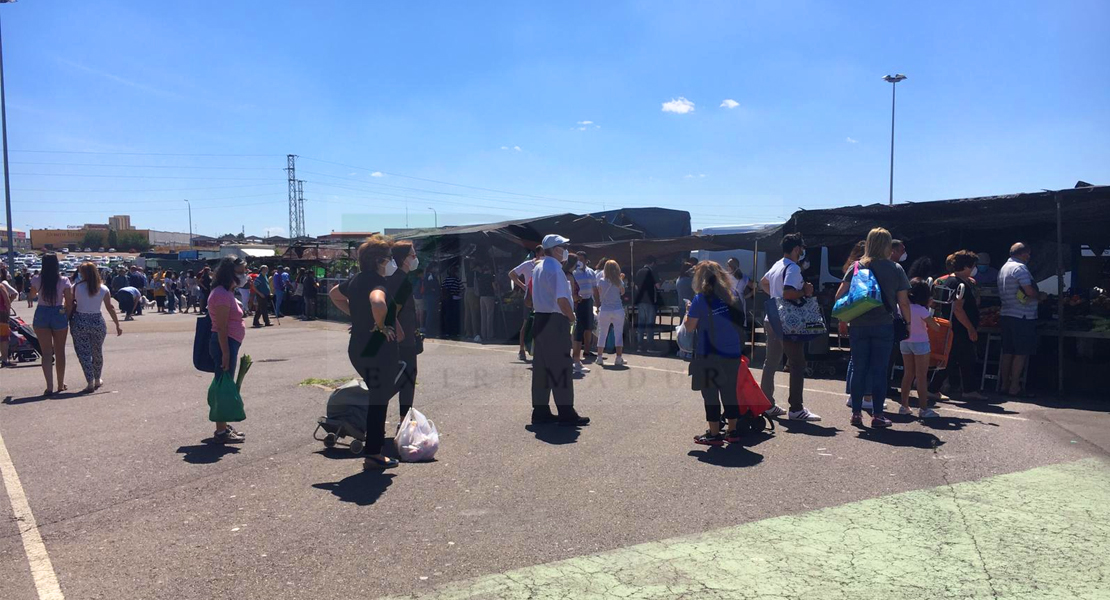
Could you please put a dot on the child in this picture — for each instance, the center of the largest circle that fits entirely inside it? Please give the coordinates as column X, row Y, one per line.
column 915, row 349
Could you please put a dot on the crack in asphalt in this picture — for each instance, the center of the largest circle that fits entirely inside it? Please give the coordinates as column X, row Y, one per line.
column 966, row 524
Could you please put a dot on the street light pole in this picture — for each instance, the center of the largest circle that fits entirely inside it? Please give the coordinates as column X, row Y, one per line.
column 893, row 80
column 7, row 186
column 190, row 205
column 436, row 214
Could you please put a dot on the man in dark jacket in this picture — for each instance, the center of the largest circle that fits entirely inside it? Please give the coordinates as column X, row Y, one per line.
column 644, row 299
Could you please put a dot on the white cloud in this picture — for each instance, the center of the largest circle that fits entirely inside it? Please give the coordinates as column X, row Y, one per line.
column 377, row 174
column 701, row 174
column 852, row 141
column 687, row 176
column 729, row 103
column 582, row 128
column 517, row 148
column 585, row 122
column 351, row 174
column 504, row 147
column 514, row 148
column 680, row 106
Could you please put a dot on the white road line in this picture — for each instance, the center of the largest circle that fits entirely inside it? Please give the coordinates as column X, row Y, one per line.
column 810, row 390
column 46, row 582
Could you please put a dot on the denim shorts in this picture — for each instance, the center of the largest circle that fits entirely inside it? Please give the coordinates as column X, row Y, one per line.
column 914, row 348
column 50, row 317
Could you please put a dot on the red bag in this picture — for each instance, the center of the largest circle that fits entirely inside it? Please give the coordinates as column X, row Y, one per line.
column 748, row 393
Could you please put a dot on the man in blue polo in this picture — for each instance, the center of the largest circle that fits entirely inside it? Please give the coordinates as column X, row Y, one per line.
column 1020, row 297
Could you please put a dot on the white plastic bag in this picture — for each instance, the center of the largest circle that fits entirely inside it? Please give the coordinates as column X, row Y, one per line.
column 418, row 438
column 684, row 338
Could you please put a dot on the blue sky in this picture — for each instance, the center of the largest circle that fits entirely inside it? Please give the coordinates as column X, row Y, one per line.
column 1001, row 97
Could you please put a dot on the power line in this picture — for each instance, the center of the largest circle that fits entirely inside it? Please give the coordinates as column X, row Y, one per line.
column 59, row 164
column 146, row 210
column 141, row 153
column 439, row 182
column 130, row 202
column 143, row 177
column 189, row 189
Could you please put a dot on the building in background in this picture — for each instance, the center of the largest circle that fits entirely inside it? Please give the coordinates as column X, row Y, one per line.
column 120, row 223
column 167, row 239
column 22, row 242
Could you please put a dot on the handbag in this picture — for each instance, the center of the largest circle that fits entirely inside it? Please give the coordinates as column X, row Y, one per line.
column 795, row 320
column 418, row 338
column 863, row 295
column 202, row 358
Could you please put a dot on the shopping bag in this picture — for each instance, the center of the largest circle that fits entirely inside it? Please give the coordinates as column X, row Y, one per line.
column 611, row 341
column 748, row 393
column 418, row 439
column 795, row 320
column 863, row 295
column 224, row 402
column 202, row 358
column 685, row 338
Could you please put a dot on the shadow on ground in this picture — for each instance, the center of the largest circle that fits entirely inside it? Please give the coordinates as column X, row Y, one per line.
column 363, row 488
column 554, row 433
column 902, row 438
column 732, row 455
column 808, row 428
column 205, row 453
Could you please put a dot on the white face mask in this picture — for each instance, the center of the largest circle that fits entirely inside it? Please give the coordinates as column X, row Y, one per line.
column 564, row 254
column 903, row 257
column 390, row 267
column 415, row 262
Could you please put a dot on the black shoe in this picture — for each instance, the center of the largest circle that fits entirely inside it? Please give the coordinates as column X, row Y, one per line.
column 708, row 439
column 542, row 418
column 575, row 420
column 732, row 437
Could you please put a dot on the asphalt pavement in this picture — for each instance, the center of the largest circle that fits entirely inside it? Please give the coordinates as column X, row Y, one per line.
column 131, row 503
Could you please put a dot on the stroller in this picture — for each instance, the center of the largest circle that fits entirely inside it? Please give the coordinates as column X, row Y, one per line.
column 23, row 344
column 346, row 415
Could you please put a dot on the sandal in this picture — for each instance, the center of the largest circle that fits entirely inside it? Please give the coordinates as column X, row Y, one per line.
column 370, row 463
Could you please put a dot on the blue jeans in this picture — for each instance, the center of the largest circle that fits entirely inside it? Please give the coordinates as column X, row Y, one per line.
column 645, row 324
column 278, row 297
column 217, row 355
column 871, row 347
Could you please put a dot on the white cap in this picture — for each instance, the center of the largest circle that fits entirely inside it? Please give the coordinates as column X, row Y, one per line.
column 551, row 240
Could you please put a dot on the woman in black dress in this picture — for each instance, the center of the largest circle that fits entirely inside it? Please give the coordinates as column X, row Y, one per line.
column 373, row 349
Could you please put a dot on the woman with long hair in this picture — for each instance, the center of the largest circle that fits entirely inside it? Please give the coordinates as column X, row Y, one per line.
column 718, row 321
column 55, row 296
column 610, row 312
column 842, row 328
column 228, row 329
column 872, row 333
column 373, row 348
column 89, row 329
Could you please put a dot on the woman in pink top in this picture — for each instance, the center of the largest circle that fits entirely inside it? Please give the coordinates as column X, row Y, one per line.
column 915, row 349
column 55, row 296
column 228, row 327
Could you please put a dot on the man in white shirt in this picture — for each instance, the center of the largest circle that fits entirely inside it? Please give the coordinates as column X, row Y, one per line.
column 741, row 284
column 521, row 276
column 551, row 363
column 784, row 280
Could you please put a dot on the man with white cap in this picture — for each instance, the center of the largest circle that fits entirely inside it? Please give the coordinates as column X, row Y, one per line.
column 554, row 315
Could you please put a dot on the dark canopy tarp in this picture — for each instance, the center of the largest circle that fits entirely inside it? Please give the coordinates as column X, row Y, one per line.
column 653, row 222
column 527, row 232
column 1085, row 213
column 622, row 251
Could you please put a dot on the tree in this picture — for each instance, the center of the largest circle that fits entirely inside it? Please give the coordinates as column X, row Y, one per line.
column 132, row 240
column 239, row 236
column 93, row 239
column 113, row 239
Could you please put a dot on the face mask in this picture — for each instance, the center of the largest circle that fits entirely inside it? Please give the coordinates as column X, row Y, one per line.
column 802, row 257
column 563, row 255
column 390, row 267
column 976, row 270
column 903, row 257
column 415, row 262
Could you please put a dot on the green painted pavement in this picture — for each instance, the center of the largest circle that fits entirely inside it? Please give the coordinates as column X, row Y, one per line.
column 1042, row 533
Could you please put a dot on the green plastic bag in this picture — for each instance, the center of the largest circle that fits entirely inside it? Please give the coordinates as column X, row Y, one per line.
column 224, row 402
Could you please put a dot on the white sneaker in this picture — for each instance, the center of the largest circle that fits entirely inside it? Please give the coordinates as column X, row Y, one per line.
column 803, row 415
column 599, row 361
column 905, row 410
column 620, row 362
column 578, row 368
column 478, row 339
column 867, row 404
column 775, row 411
column 928, row 413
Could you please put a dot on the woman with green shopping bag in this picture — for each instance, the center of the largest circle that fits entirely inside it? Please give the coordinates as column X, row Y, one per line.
column 228, row 332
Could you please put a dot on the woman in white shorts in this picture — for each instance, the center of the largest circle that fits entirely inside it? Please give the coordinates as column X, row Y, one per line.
column 607, row 296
